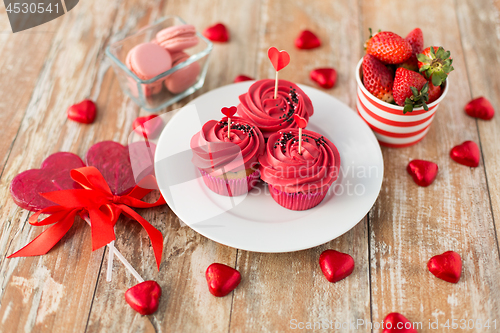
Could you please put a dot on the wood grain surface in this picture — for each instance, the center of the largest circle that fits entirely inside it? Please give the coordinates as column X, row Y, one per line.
column 48, row 68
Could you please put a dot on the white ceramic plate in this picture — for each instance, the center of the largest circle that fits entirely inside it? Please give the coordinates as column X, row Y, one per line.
column 255, row 222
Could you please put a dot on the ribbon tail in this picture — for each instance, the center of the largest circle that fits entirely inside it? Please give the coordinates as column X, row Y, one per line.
column 47, row 239
column 154, row 234
column 102, row 228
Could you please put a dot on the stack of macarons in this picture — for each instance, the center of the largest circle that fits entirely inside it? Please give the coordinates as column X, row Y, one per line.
column 148, row 60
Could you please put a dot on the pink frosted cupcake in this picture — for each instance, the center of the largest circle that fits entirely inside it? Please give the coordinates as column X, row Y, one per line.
column 271, row 115
column 299, row 181
column 229, row 165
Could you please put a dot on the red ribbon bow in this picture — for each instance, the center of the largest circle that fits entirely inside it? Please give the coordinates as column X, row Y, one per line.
column 103, row 207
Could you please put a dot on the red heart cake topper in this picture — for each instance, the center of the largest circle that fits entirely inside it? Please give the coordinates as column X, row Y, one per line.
column 149, row 126
column 144, row 297
column 279, row 59
column 446, row 266
column 300, row 121
column 222, row 279
column 229, row 112
column 466, row 153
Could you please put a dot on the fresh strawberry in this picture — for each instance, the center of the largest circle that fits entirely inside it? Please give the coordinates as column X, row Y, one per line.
column 435, row 63
column 388, row 47
column 434, row 92
column 416, row 40
column 377, row 78
column 410, row 89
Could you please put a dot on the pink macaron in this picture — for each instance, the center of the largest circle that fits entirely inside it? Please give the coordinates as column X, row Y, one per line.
column 183, row 78
column 148, row 60
column 177, row 38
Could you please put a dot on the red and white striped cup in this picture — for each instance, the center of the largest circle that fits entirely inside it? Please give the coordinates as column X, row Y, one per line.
column 391, row 127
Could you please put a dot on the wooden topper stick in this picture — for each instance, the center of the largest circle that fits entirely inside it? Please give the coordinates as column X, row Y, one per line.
column 229, row 112
column 279, row 60
column 301, row 123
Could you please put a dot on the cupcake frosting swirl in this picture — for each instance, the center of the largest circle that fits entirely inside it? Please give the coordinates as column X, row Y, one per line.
column 271, row 115
column 216, row 153
column 285, row 169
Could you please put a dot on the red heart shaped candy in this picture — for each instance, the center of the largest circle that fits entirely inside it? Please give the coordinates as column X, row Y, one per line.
column 397, row 323
column 222, row 279
column 466, row 153
column 423, row 172
column 307, row 40
column 480, row 108
column 336, row 265
column 53, row 175
column 279, row 59
column 325, row 77
column 300, row 121
column 144, row 297
column 148, row 126
column 241, row 78
column 229, row 112
column 446, row 266
column 217, row 33
column 83, row 112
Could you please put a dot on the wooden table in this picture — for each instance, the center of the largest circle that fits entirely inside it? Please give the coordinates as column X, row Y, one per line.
column 48, row 68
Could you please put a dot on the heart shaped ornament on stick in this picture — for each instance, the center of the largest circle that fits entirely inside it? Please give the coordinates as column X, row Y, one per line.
column 144, row 297
column 149, row 126
column 53, row 175
column 446, row 266
column 229, row 112
column 279, row 60
column 466, row 153
column 336, row 265
column 222, row 279
column 397, row 323
column 301, row 123
column 423, row 172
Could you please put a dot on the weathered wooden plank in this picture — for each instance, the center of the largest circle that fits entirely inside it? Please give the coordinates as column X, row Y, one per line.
column 410, row 224
column 281, row 292
column 186, row 305
column 54, row 292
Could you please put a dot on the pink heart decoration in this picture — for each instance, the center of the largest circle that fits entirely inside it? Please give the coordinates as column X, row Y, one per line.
column 144, row 297
column 279, row 59
column 480, row 108
column 241, row 78
column 222, row 279
column 217, row 33
column 336, row 265
column 423, row 172
column 83, row 112
column 148, row 126
column 229, row 112
column 325, row 77
column 114, row 162
column 300, row 121
column 466, row 153
column 307, row 40
column 397, row 323
column 53, row 175
column 446, row 266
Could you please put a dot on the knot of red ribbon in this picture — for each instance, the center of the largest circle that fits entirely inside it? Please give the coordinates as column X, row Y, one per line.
column 103, row 208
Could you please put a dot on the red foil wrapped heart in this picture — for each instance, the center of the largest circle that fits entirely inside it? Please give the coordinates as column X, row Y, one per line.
column 241, row 78
column 217, row 33
column 480, row 108
column 83, row 112
column 53, row 175
column 279, row 59
column 144, row 297
column 467, row 153
column 307, row 40
column 446, row 266
column 336, row 265
column 423, row 172
column 222, row 279
column 325, row 77
column 148, row 126
column 397, row 323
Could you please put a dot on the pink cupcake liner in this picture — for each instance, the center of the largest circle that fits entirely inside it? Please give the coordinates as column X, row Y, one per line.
column 296, row 201
column 230, row 187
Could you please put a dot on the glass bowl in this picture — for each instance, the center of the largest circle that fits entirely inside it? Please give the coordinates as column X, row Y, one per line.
column 152, row 95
